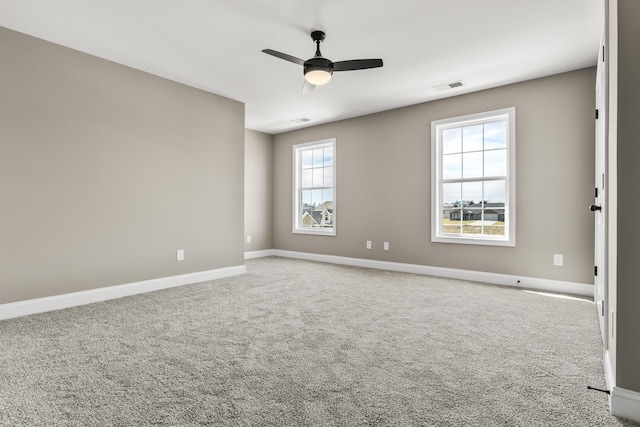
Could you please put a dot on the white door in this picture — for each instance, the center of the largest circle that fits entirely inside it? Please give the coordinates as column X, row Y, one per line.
column 599, row 206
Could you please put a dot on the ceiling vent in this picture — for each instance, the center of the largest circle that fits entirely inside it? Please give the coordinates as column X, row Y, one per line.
column 448, row 86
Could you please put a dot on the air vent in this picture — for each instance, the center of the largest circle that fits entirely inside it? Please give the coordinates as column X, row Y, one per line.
column 448, row 86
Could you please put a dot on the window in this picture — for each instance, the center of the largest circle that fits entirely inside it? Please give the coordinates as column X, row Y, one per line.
column 314, row 210
column 473, row 179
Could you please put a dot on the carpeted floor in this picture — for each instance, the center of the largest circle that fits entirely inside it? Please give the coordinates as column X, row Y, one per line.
column 299, row 343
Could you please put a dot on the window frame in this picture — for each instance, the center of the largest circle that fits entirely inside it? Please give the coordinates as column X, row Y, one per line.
column 437, row 126
column 297, row 189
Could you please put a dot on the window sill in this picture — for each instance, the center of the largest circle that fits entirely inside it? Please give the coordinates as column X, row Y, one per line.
column 474, row 241
column 331, row 233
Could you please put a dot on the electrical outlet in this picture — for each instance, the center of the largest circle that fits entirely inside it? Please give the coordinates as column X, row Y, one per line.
column 368, row 244
column 557, row 259
column 386, row 246
column 180, row 255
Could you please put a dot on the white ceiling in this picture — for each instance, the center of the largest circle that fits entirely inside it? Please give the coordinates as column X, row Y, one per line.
column 215, row 45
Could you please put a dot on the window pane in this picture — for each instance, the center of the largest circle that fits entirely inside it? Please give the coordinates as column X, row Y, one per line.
column 452, row 166
column 449, row 215
column 472, row 165
column 495, row 193
column 495, row 228
column 495, row 135
column 472, row 221
column 316, row 197
column 306, row 197
column 494, row 220
column 495, row 196
column 327, row 196
column 472, row 193
column 495, row 163
column 472, row 138
column 318, row 177
column 451, row 222
column 307, row 159
column 306, row 178
column 304, row 222
column 318, row 157
column 451, row 194
column 328, row 156
column 328, row 177
column 451, row 141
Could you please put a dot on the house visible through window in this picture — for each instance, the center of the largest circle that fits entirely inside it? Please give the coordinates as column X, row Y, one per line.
column 473, row 179
column 314, row 188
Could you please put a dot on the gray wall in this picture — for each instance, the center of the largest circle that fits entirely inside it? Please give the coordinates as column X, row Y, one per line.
column 628, row 250
column 384, row 182
column 258, row 190
column 106, row 171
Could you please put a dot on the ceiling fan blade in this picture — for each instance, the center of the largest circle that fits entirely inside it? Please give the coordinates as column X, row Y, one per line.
column 307, row 87
column 357, row 64
column 284, row 56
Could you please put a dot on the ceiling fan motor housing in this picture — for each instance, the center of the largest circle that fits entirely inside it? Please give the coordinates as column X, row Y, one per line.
column 318, row 64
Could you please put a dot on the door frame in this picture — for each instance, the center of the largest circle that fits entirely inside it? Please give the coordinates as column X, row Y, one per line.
column 600, row 295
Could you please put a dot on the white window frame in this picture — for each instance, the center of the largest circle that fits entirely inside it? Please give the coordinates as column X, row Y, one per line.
column 297, row 190
column 437, row 126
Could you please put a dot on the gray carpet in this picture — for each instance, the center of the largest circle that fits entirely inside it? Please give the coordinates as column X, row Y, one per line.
column 298, row 343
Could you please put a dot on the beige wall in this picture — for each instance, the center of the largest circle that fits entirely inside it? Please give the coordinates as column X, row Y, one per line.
column 628, row 177
column 258, row 190
column 106, row 171
column 383, row 182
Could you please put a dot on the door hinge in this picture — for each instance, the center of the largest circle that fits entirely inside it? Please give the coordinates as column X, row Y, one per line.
column 596, row 114
column 595, row 270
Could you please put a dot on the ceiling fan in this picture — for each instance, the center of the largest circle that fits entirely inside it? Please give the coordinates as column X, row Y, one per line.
column 318, row 70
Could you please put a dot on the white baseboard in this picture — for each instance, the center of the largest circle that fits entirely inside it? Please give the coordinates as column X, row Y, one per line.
column 258, row 254
column 625, row 403
column 57, row 302
column 475, row 276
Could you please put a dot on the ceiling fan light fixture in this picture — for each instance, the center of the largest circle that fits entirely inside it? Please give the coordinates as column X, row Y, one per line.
column 318, row 70
column 318, row 77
